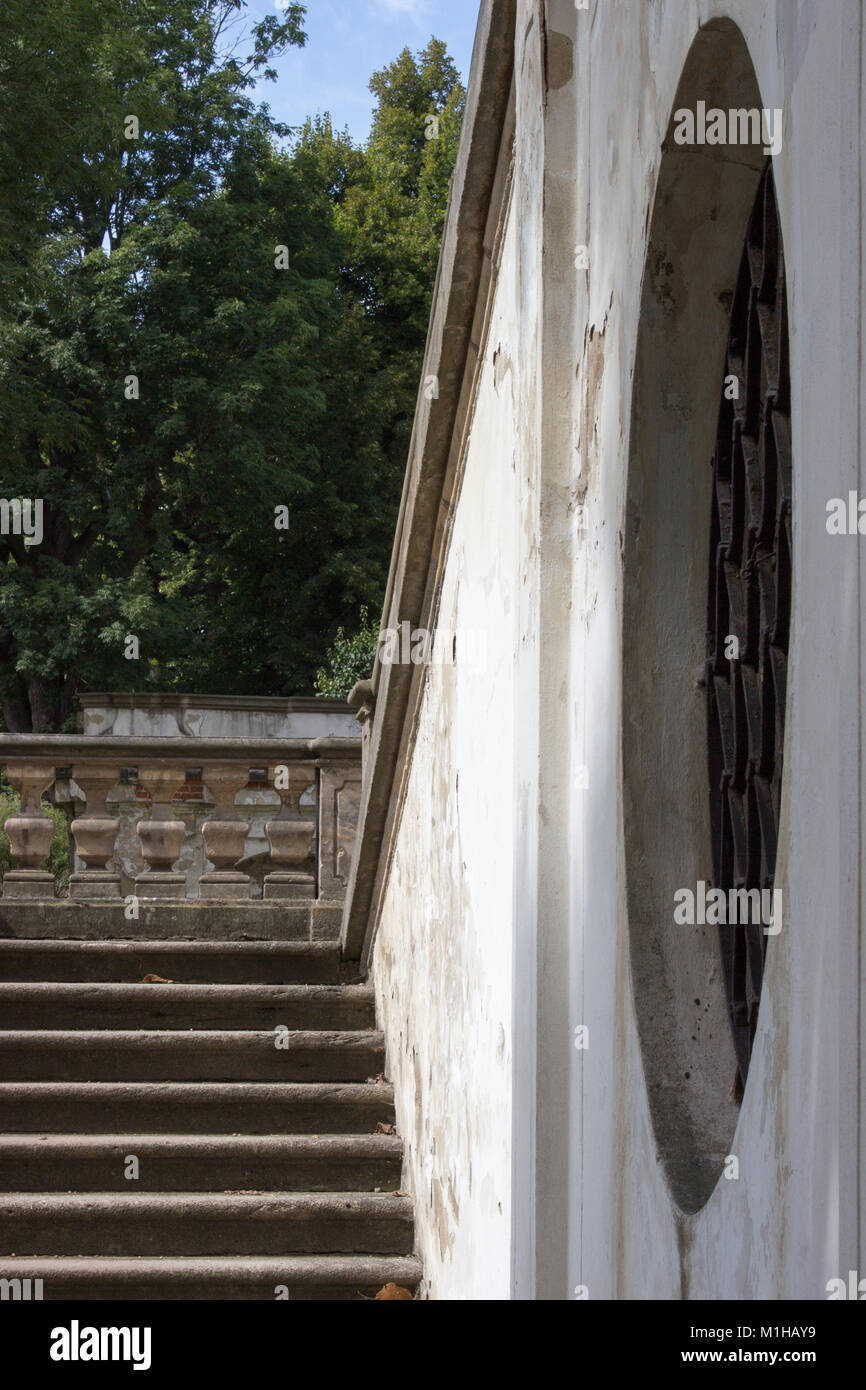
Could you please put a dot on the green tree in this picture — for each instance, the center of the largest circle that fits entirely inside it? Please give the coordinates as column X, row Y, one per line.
column 71, row 74
column 164, row 386
column 143, row 242
column 390, row 200
column 393, row 217
column 349, row 660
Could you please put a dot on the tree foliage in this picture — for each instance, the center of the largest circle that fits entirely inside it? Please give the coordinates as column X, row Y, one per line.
column 348, row 660
column 169, row 378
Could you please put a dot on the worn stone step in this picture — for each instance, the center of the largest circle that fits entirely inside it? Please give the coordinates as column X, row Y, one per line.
column 194, row 1223
column 195, row 1055
column 59, row 1006
column 211, row 1137
column 234, row 1277
column 104, row 1107
column 200, row 1163
column 72, row 919
column 184, row 962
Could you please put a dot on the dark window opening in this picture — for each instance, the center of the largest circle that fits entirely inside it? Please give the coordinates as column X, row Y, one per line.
column 749, row 606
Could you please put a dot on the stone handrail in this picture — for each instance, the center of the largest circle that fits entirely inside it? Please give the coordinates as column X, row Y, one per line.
column 161, row 768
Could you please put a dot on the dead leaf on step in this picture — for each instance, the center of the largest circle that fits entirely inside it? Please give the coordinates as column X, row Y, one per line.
column 382, row 1128
column 394, row 1291
column 156, row 980
column 376, row 1080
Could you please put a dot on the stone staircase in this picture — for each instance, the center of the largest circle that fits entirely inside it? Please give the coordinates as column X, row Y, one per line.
column 264, row 1170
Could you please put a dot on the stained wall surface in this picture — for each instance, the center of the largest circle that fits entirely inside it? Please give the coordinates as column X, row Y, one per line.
column 442, row 962
column 504, row 926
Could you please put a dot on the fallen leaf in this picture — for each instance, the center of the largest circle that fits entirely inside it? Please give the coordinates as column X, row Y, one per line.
column 156, row 980
column 382, row 1128
column 395, row 1291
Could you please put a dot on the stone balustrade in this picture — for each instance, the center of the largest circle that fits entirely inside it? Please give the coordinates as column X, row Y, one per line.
column 309, row 857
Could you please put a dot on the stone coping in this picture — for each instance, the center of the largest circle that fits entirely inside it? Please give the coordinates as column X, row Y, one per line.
column 76, row 748
column 268, row 704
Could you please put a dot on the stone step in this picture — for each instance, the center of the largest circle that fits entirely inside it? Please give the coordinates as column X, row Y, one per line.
column 235, row 1277
column 71, row 919
column 61, row 1006
column 104, row 1107
column 246, row 1087
column 194, row 1223
column 184, row 962
column 200, row 1163
column 104, row 1055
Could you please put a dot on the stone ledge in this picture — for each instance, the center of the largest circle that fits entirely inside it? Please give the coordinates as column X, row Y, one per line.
column 132, row 749
column 169, row 921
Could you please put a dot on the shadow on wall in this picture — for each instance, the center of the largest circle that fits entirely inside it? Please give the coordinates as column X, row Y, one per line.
column 703, row 201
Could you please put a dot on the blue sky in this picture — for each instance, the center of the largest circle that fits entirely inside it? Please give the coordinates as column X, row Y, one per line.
column 347, row 41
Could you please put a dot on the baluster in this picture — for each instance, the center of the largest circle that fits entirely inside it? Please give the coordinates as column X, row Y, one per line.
column 290, row 837
column 161, row 835
column 226, row 835
column 339, row 805
column 95, row 833
column 30, row 831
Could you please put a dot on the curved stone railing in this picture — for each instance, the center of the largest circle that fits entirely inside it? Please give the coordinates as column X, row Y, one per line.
column 309, row 858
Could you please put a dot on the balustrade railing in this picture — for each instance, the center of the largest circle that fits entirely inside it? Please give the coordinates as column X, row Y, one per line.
column 148, row 785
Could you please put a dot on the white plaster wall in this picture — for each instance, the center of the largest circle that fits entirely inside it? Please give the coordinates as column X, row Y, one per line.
column 442, row 957
column 788, row 1224
column 504, row 926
